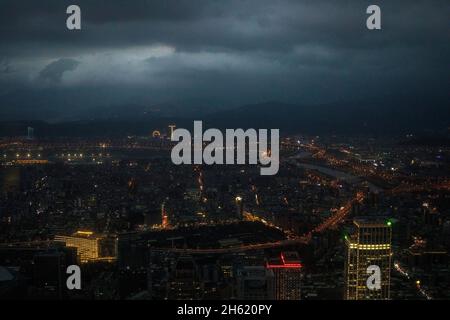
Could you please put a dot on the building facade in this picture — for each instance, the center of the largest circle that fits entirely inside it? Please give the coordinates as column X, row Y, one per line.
column 287, row 276
column 87, row 244
column 368, row 247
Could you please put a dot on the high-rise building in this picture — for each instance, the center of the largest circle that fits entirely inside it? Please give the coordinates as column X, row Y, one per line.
column 86, row 242
column 239, row 207
column 368, row 246
column 164, row 217
column 287, row 276
column 30, row 133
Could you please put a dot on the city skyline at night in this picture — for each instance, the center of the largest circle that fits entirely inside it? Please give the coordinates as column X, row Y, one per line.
column 249, row 153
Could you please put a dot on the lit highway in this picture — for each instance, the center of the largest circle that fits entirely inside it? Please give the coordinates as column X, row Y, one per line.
column 301, row 240
column 417, row 283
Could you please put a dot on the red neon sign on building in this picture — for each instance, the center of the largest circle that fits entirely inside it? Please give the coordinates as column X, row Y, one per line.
column 285, row 264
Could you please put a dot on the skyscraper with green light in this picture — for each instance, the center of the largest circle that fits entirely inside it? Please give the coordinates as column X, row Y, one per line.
column 368, row 245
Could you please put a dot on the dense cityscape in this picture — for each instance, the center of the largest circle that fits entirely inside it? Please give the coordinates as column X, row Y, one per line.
column 232, row 158
column 142, row 228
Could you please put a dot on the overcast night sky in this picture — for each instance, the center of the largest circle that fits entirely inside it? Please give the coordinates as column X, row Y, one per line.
column 218, row 54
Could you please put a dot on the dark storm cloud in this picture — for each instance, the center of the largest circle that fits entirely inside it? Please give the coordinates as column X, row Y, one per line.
column 231, row 24
column 5, row 66
column 228, row 51
column 55, row 70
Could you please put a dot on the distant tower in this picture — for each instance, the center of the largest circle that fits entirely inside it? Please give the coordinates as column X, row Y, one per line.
column 172, row 128
column 30, row 133
column 164, row 217
column 369, row 245
column 239, row 207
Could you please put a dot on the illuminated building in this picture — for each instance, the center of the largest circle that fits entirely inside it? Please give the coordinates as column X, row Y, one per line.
column 164, row 217
column 86, row 242
column 287, row 276
column 369, row 245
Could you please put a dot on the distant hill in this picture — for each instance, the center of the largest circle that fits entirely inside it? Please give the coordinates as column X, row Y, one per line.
column 385, row 116
column 68, row 105
column 392, row 116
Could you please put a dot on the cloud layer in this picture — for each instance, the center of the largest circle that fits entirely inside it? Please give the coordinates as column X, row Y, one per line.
column 224, row 53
